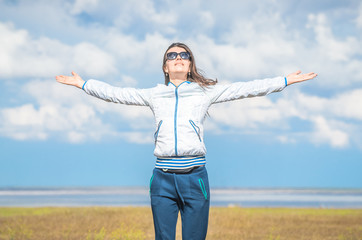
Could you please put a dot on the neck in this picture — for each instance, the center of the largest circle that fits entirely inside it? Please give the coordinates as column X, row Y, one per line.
column 177, row 82
column 178, row 78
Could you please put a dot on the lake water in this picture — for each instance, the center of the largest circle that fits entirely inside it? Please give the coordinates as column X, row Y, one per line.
column 136, row 196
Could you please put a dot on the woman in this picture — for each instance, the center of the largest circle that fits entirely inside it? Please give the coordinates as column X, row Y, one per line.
column 179, row 181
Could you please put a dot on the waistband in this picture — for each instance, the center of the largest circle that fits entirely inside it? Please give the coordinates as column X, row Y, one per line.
column 181, row 171
column 180, row 162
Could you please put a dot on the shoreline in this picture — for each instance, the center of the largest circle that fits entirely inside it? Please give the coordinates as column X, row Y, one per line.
column 222, row 197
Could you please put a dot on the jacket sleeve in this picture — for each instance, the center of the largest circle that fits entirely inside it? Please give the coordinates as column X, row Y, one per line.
column 238, row 90
column 129, row 96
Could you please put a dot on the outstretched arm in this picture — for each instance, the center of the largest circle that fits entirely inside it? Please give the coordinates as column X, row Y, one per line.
column 104, row 91
column 298, row 77
column 74, row 80
column 238, row 90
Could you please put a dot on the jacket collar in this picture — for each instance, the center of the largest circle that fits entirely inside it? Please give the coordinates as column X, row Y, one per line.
column 170, row 83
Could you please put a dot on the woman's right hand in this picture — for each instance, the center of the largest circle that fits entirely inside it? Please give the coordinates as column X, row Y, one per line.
column 74, row 80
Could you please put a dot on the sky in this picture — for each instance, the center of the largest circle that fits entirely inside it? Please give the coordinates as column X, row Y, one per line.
column 307, row 136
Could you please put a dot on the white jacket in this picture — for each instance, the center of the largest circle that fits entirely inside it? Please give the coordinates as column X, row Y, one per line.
column 180, row 111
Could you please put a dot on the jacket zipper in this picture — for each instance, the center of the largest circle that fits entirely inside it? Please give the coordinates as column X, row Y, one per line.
column 175, row 116
column 175, row 119
column 196, row 128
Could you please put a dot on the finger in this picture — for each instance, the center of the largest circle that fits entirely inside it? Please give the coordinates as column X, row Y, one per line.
column 62, row 79
column 298, row 72
column 311, row 74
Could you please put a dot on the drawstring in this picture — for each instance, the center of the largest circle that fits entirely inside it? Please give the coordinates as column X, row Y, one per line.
column 177, row 190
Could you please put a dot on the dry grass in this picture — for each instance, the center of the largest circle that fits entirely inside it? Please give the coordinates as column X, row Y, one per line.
column 112, row 223
column 285, row 223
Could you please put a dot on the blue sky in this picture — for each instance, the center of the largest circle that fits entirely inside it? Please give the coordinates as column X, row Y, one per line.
column 309, row 135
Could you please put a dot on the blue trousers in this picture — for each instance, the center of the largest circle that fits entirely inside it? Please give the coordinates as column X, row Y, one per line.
column 187, row 193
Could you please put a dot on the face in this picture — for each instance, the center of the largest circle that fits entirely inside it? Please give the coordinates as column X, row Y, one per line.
column 177, row 66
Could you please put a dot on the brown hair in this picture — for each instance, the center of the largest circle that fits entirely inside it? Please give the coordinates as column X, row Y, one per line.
column 194, row 75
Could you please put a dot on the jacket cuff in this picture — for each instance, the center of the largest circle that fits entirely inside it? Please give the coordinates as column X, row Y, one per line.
column 84, row 84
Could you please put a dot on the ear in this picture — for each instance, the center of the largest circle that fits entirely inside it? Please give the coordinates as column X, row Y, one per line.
column 165, row 68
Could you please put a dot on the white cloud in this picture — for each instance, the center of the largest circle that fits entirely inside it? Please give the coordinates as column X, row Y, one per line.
column 68, row 113
column 20, row 56
column 359, row 17
column 252, row 45
column 286, row 139
column 333, row 120
column 127, row 39
column 348, row 105
column 247, row 114
column 336, row 50
column 206, row 19
column 137, row 55
column 144, row 11
column 84, row 6
column 31, row 122
column 325, row 132
column 91, row 60
column 138, row 137
column 128, row 81
column 266, row 45
column 336, row 59
column 24, row 56
column 259, row 42
column 345, row 105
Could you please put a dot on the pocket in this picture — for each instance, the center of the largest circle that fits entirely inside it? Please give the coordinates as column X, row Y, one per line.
column 157, row 131
column 203, row 188
column 196, row 129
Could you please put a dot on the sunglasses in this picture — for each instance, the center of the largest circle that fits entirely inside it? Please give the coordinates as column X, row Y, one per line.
column 173, row 55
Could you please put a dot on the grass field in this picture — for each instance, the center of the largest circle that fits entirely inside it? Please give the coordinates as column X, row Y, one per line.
column 112, row 223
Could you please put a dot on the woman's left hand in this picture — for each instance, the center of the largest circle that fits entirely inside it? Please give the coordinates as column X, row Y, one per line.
column 298, row 77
